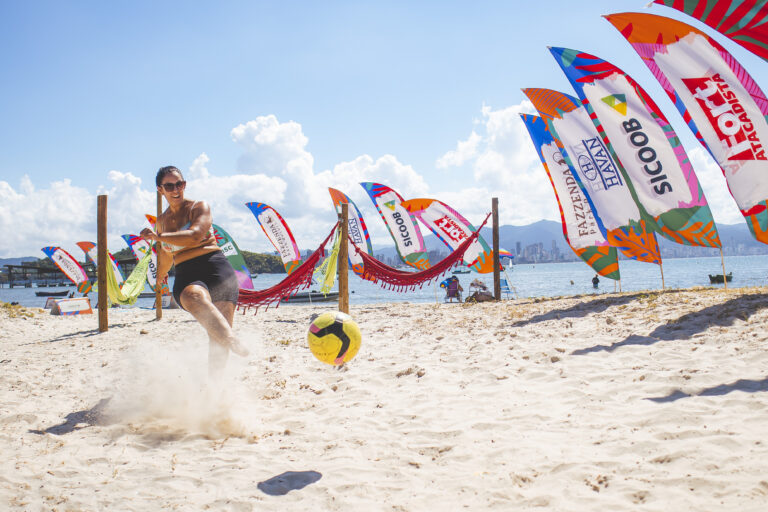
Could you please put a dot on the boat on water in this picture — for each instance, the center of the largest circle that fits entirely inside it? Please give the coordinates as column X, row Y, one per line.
column 52, row 294
column 718, row 278
column 462, row 271
column 312, row 296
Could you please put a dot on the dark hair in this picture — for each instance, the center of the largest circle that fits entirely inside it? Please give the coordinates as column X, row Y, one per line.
column 165, row 171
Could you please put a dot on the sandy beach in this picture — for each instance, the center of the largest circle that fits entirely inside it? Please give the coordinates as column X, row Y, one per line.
column 637, row 401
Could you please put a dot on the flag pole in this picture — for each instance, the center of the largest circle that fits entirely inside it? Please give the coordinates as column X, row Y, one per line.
column 722, row 261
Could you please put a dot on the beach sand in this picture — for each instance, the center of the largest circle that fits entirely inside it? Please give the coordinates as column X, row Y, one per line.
column 637, row 401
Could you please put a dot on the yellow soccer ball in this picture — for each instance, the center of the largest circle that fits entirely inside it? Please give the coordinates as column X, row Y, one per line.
column 334, row 338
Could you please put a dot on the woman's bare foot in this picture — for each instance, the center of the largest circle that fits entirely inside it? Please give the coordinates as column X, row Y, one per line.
column 238, row 348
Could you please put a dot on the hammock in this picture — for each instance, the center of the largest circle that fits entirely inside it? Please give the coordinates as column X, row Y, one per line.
column 132, row 287
column 393, row 279
column 295, row 281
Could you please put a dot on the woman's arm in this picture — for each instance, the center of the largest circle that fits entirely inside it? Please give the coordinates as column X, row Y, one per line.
column 199, row 228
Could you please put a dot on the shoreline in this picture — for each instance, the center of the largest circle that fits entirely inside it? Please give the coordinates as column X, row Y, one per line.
column 610, row 401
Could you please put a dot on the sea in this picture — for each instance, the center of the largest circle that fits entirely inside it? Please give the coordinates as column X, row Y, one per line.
column 526, row 280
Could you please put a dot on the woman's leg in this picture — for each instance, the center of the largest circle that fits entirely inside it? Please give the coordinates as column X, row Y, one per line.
column 217, row 355
column 197, row 300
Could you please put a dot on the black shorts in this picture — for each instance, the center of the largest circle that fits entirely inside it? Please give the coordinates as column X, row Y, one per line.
column 213, row 272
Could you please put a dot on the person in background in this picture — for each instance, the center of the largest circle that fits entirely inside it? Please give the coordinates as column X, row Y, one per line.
column 205, row 284
column 595, row 281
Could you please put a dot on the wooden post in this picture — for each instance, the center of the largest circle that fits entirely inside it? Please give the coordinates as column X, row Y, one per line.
column 101, row 261
column 661, row 269
column 496, row 259
column 343, row 260
column 158, row 286
column 722, row 261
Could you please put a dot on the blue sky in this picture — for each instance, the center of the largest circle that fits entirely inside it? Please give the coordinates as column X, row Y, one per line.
column 273, row 101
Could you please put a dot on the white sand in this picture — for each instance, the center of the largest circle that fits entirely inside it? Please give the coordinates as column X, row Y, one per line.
column 619, row 402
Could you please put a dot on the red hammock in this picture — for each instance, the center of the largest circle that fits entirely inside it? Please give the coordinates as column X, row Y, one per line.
column 295, row 281
column 393, row 279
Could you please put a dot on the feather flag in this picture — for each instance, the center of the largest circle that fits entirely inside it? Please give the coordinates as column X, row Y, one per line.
column 598, row 173
column 401, row 224
column 715, row 94
column 66, row 263
column 646, row 146
column 451, row 228
column 278, row 233
column 743, row 21
column 357, row 232
column 91, row 254
column 579, row 225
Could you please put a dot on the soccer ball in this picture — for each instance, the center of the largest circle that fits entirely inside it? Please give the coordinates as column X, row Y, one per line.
column 334, row 338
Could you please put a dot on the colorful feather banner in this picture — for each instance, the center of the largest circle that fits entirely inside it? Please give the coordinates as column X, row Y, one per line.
column 400, row 223
column 66, row 263
column 715, row 94
column 633, row 128
column 357, row 230
column 452, row 229
column 91, row 254
column 580, row 228
column 743, row 21
column 598, row 173
column 278, row 233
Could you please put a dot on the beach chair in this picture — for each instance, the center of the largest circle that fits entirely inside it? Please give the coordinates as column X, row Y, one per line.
column 505, row 288
column 453, row 291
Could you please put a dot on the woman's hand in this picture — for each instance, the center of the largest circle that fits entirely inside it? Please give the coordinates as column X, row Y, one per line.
column 148, row 234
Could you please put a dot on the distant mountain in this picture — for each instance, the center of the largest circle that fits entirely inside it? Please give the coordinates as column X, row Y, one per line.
column 16, row 261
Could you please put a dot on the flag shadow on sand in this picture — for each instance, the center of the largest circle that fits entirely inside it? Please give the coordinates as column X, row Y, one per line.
column 283, row 483
column 579, row 310
column 722, row 315
column 746, row 385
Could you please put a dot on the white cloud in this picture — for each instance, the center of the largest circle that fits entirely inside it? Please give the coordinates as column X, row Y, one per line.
column 504, row 164
column 279, row 150
column 198, row 169
column 465, row 149
column 275, row 167
column 31, row 218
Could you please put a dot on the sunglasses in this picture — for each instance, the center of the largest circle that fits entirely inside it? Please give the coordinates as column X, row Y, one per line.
column 170, row 187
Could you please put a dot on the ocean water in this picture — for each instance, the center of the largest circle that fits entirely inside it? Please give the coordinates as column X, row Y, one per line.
column 530, row 280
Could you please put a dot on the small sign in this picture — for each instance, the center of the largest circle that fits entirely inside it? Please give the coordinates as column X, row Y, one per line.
column 76, row 306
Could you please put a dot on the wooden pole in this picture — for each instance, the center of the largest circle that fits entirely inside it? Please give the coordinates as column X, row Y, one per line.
column 343, row 260
column 101, row 261
column 722, row 261
column 496, row 262
column 661, row 269
column 158, row 286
